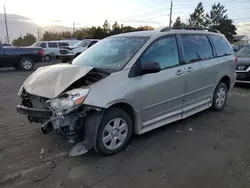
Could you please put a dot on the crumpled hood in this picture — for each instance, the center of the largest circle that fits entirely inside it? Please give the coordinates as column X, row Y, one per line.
column 50, row 81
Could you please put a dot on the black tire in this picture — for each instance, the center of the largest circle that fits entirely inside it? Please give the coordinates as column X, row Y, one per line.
column 64, row 61
column 16, row 67
column 26, row 64
column 77, row 55
column 220, row 86
column 109, row 115
column 47, row 58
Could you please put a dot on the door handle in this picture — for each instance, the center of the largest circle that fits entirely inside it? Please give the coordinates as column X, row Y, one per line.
column 189, row 69
column 179, row 72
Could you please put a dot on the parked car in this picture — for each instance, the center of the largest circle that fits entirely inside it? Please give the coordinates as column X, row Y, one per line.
column 130, row 83
column 5, row 45
column 51, row 48
column 67, row 53
column 22, row 58
column 243, row 65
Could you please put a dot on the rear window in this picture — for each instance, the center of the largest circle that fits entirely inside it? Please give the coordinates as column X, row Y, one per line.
column 63, row 44
column 52, row 45
column 244, row 52
column 221, row 46
column 196, row 48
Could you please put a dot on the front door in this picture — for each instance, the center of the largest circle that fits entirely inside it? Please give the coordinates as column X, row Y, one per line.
column 159, row 96
column 201, row 72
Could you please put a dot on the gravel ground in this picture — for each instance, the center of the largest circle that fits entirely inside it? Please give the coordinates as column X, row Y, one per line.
column 207, row 150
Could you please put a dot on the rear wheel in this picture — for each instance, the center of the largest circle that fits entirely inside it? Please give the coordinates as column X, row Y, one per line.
column 26, row 64
column 47, row 58
column 220, row 96
column 114, row 132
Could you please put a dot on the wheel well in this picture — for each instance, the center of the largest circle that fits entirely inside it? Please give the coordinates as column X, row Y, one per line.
column 226, row 81
column 127, row 108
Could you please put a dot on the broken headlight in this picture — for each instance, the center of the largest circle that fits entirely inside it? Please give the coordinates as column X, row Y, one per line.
column 68, row 101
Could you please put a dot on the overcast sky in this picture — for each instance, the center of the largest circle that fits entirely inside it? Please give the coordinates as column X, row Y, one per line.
column 131, row 12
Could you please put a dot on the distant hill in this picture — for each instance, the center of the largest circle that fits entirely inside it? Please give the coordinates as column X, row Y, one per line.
column 19, row 25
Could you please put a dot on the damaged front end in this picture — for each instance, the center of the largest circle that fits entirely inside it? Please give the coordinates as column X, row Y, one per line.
column 66, row 114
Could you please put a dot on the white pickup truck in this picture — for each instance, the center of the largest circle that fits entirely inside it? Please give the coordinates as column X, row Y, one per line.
column 67, row 53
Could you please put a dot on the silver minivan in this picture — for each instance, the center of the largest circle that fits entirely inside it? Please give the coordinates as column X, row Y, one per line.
column 130, row 83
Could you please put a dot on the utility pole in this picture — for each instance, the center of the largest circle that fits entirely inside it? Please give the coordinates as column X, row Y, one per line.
column 6, row 26
column 73, row 27
column 38, row 34
column 170, row 16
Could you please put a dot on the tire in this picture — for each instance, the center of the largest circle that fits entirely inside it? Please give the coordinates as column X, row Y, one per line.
column 16, row 67
column 47, row 58
column 26, row 64
column 64, row 61
column 107, row 129
column 77, row 55
column 220, row 96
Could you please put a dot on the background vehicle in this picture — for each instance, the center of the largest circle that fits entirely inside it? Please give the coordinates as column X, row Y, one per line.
column 131, row 83
column 5, row 44
column 20, row 57
column 243, row 65
column 67, row 53
column 51, row 48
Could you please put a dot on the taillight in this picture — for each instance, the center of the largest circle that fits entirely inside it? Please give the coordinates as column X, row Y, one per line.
column 235, row 58
column 41, row 53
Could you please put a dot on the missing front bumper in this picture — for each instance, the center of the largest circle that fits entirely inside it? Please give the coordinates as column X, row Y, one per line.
column 33, row 112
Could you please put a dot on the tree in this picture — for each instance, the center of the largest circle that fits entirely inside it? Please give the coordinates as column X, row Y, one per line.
column 144, row 28
column 106, row 26
column 116, row 29
column 178, row 22
column 26, row 40
column 93, row 32
column 198, row 17
column 218, row 19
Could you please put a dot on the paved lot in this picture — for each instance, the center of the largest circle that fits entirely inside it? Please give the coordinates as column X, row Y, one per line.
column 208, row 150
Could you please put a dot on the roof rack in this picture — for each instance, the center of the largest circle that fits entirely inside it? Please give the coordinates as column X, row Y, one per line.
column 190, row 28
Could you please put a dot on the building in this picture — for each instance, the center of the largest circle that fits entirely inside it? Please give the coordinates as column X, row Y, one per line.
column 241, row 40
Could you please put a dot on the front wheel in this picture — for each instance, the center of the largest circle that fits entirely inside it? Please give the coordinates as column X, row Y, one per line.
column 220, row 96
column 114, row 132
column 26, row 64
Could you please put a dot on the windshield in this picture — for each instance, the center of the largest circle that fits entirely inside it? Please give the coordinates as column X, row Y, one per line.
column 83, row 43
column 244, row 52
column 111, row 53
column 36, row 44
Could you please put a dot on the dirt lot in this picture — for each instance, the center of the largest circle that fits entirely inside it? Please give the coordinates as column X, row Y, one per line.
column 208, row 150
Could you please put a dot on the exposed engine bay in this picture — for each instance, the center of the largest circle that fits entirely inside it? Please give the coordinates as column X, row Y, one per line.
column 66, row 114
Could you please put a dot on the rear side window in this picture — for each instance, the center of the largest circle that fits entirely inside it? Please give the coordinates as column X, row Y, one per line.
column 43, row 45
column 52, row 44
column 92, row 43
column 63, row 44
column 196, row 48
column 221, row 46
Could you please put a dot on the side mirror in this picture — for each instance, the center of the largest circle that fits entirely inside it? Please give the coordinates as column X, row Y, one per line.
column 150, row 67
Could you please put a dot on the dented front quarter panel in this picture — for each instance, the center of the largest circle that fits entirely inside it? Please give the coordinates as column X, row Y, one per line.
column 50, row 81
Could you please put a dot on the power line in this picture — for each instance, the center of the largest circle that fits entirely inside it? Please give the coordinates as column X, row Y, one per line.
column 192, row 5
column 145, row 15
